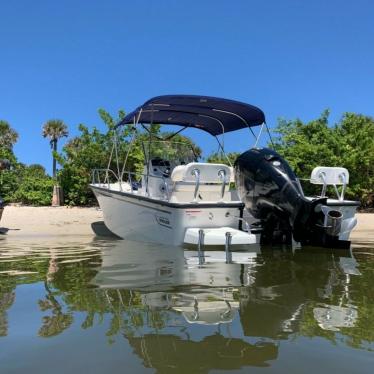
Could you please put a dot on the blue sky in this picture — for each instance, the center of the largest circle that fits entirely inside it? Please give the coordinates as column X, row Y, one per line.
column 292, row 58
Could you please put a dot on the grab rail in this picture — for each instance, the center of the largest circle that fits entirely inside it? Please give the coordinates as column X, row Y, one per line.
column 130, row 174
column 196, row 173
column 96, row 173
column 340, row 195
column 222, row 175
column 136, row 176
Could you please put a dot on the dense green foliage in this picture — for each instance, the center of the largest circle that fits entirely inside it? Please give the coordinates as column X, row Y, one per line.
column 92, row 149
column 35, row 187
column 305, row 282
column 349, row 143
column 8, row 137
column 22, row 184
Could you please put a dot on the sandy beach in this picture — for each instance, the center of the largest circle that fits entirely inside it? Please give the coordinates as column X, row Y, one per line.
column 22, row 221
column 364, row 231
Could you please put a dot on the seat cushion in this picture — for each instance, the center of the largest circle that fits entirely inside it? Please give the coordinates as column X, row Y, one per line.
column 331, row 175
column 209, row 173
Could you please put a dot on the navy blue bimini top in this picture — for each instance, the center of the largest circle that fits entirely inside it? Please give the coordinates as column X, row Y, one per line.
column 212, row 114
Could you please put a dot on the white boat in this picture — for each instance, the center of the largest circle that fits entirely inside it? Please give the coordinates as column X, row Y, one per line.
column 178, row 200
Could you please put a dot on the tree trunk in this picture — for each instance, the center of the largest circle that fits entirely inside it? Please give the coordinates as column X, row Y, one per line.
column 54, row 160
column 58, row 196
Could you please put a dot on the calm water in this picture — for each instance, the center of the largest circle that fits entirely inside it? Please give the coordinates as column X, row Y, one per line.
column 116, row 306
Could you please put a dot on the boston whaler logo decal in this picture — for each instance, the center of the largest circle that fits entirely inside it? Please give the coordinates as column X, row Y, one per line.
column 193, row 213
column 163, row 221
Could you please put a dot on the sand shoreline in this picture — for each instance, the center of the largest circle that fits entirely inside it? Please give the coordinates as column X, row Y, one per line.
column 24, row 221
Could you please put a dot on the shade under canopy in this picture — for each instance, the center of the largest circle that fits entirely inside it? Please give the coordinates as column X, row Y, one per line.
column 212, row 114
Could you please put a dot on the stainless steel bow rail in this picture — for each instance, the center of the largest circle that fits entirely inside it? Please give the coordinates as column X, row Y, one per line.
column 132, row 177
column 104, row 178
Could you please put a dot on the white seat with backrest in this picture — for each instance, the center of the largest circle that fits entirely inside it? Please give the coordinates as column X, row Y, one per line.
column 209, row 173
column 184, row 180
column 330, row 176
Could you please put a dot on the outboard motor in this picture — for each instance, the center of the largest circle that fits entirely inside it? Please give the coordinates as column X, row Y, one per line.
column 272, row 194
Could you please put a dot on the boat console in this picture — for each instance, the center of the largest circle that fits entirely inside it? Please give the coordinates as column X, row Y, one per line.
column 160, row 167
column 192, row 182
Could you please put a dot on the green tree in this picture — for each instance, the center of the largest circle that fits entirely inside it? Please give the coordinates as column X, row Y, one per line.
column 8, row 179
column 92, row 149
column 8, row 136
column 355, row 133
column 54, row 130
column 22, row 183
column 349, row 143
column 88, row 151
column 34, row 186
column 166, row 145
column 219, row 158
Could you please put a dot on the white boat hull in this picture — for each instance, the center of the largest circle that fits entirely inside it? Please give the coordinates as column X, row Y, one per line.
column 348, row 210
column 138, row 218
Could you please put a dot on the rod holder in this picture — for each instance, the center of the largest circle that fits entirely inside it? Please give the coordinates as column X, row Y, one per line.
column 227, row 248
column 333, row 222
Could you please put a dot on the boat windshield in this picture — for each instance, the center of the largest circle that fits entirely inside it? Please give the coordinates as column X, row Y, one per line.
column 177, row 153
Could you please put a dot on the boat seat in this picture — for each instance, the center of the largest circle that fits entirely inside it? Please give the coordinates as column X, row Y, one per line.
column 209, row 173
column 329, row 175
column 184, row 181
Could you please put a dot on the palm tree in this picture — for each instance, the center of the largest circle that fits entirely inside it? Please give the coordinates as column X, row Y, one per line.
column 54, row 130
column 8, row 137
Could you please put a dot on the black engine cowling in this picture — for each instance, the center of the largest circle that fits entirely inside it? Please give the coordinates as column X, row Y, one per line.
column 272, row 193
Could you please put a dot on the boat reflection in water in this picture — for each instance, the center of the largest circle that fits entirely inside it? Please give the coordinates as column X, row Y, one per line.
column 262, row 294
column 170, row 283
column 180, row 313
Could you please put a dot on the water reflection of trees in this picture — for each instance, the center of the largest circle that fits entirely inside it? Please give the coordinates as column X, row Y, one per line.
column 58, row 321
column 169, row 353
column 32, row 272
column 280, row 302
column 6, row 301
